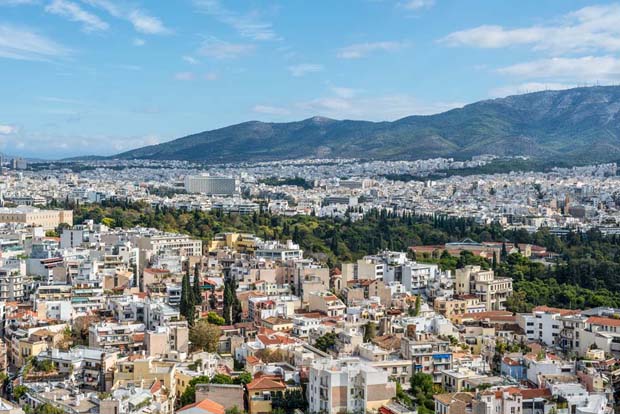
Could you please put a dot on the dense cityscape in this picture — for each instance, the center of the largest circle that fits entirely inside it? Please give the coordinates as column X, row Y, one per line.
column 309, row 207
column 162, row 287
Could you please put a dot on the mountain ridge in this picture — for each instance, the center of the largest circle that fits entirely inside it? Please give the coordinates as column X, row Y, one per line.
column 580, row 123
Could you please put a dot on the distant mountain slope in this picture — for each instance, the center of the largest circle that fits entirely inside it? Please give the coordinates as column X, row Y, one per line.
column 576, row 124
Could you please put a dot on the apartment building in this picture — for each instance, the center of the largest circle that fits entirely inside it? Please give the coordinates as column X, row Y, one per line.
column 458, row 305
column 327, row 303
column 492, row 291
column 347, row 385
column 429, row 355
column 544, row 324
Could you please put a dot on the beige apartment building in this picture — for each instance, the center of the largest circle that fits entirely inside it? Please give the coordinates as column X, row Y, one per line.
column 492, row 291
column 35, row 217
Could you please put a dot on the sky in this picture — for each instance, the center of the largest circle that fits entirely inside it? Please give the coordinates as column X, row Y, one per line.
column 100, row 77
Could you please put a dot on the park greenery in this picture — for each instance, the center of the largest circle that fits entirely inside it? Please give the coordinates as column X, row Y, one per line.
column 585, row 271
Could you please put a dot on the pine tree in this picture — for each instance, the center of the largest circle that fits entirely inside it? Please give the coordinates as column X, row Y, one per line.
column 494, row 263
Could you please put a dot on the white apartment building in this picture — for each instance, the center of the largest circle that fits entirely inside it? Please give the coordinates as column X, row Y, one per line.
column 392, row 267
column 211, row 185
column 347, row 385
column 274, row 250
column 544, row 324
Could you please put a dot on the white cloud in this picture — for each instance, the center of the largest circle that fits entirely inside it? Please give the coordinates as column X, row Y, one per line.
column 24, row 44
column 219, row 49
column 247, row 25
column 144, row 23
column 75, row 13
column 304, row 68
column 587, row 29
column 528, row 87
column 191, row 60
column 581, row 69
column 360, row 50
column 185, row 76
column 271, row 110
column 141, row 21
column 138, row 42
column 418, row 4
column 7, row 129
column 377, row 108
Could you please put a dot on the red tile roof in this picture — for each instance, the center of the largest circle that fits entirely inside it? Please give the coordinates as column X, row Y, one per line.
column 266, row 383
column 561, row 311
column 600, row 320
column 207, row 405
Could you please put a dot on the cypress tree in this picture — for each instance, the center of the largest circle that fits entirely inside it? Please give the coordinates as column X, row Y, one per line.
column 197, row 288
column 418, row 305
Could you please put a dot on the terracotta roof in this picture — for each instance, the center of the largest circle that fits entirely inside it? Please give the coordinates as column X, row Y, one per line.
column 511, row 361
column 266, row 383
column 156, row 386
column 599, row 320
column 526, row 393
column 252, row 360
column 274, row 339
column 561, row 311
column 154, row 270
column 206, row 405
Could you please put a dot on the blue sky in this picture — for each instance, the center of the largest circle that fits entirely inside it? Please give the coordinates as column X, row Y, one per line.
column 104, row 76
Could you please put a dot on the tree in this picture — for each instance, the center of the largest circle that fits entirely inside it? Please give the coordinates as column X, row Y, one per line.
column 289, row 401
column 326, row 341
column 422, row 390
column 205, row 336
column 221, row 379
column 212, row 300
column 19, row 391
column 48, row 408
column 234, row 410
column 418, row 305
column 243, row 378
column 189, row 395
column 215, row 319
column 197, row 285
column 270, row 355
column 504, row 252
column 517, row 302
column 187, row 307
column 370, row 331
column 232, row 305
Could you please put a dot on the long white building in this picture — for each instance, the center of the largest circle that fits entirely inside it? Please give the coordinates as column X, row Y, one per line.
column 211, row 185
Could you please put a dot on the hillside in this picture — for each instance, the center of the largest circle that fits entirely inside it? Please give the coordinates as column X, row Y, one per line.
column 576, row 124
